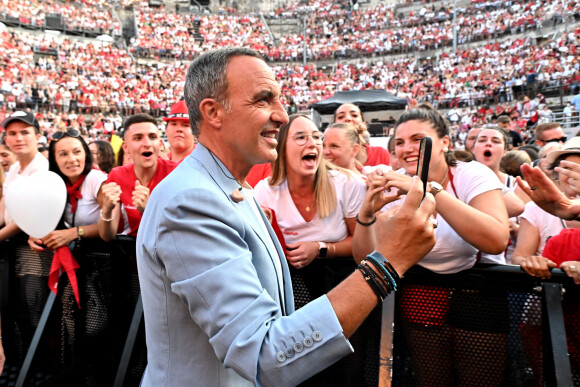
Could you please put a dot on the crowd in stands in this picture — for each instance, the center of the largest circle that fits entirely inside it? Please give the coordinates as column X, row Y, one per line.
column 78, row 80
column 334, row 32
column 93, row 15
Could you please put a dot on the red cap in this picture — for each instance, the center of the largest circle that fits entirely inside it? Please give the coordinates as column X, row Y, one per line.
column 178, row 112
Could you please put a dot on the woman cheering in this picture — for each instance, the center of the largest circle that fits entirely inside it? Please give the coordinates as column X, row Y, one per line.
column 315, row 202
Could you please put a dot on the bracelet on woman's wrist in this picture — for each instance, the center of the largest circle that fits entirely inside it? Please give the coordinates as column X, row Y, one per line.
column 105, row 219
column 366, row 224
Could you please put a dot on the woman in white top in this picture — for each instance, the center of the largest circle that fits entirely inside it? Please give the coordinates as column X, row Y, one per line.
column 489, row 148
column 85, row 311
column 471, row 217
column 70, row 158
column 315, row 202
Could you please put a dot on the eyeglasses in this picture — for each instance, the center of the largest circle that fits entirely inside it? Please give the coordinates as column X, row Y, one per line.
column 561, row 139
column 71, row 133
column 301, row 138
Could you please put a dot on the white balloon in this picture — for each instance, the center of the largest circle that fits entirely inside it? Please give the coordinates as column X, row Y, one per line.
column 36, row 202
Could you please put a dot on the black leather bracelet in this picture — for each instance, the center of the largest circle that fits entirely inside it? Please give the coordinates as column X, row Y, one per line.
column 371, row 282
column 366, row 224
column 376, row 284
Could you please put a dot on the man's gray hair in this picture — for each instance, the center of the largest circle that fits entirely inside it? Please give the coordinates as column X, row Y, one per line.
column 206, row 78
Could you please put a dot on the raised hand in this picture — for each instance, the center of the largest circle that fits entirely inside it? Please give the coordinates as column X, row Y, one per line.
column 140, row 196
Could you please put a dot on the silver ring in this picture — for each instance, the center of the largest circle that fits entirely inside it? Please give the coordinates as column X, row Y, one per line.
column 533, row 188
column 299, row 265
column 572, row 267
column 434, row 221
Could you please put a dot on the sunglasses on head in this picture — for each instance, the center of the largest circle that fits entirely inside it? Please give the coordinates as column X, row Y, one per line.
column 71, row 133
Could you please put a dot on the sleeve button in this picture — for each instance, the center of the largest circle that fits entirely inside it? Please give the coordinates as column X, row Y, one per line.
column 308, row 342
column 317, row 336
column 281, row 357
column 289, row 352
column 298, row 347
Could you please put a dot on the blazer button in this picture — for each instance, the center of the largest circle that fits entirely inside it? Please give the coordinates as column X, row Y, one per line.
column 308, row 342
column 298, row 347
column 281, row 357
column 289, row 352
column 317, row 336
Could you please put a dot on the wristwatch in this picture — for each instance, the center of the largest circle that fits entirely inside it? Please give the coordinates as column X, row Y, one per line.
column 435, row 187
column 322, row 250
column 80, row 232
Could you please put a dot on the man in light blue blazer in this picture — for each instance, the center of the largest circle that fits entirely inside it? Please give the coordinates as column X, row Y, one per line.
column 216, row 289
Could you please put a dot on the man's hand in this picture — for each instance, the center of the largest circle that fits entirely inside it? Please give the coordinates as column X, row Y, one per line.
column 140, row 196
column 111, row 195
column 405, row 237
column 546, row 194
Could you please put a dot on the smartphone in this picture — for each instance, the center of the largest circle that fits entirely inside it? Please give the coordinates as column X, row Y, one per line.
column 424, row 160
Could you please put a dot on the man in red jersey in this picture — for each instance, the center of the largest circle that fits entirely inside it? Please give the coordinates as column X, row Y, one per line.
column 128, row 187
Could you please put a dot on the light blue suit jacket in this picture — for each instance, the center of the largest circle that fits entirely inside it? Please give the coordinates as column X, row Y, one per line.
column 211, row 295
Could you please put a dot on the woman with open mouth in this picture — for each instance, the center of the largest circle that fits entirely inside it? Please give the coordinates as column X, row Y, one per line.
column 315, row 203
column 470, row 216
column 490, row 146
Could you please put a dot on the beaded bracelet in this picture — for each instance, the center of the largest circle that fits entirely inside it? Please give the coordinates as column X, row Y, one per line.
column 104, row 219
column 366, row 224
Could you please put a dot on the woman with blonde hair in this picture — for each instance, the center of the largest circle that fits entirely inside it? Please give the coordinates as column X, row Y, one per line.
column 314, row 201
column 342, row 144
column 368, row 154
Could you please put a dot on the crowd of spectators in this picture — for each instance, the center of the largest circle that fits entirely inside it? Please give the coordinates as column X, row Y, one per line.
column 77, row 79
column 335, row 31
column 93, row 15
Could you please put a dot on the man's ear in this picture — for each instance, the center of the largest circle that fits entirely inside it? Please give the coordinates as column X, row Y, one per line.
column 212, row 112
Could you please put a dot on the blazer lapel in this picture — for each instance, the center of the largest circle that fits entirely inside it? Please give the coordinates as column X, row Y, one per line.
column 227, row 184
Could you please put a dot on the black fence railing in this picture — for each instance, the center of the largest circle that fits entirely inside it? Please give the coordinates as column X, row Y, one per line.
column 490, row 325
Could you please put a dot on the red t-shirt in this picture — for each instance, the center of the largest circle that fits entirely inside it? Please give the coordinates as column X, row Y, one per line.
column 377, row 155
column 563, row 247
column 125, row 177
column 258, row 172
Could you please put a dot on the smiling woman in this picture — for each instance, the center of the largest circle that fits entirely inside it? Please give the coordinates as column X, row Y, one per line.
column 471, row 217
column 70, row 158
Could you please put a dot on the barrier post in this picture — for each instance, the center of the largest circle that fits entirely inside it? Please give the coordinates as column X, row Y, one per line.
column 557, row 370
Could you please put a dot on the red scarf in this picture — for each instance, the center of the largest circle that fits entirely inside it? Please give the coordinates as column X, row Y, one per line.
column 63, row 260
column 74, row 193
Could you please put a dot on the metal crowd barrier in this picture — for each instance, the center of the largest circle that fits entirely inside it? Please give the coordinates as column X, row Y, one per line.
column 494, row 325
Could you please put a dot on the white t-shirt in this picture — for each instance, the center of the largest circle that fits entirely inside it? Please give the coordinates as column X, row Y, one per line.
column 547, row 224
column 350, row 192
column 38, row 164
column 451, row 253
column 88, row 206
